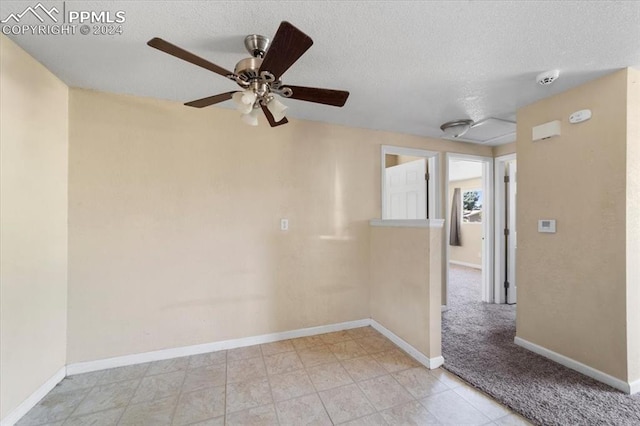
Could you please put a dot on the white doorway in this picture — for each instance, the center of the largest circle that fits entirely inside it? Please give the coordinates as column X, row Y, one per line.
column 506, row 190
column 469, row 198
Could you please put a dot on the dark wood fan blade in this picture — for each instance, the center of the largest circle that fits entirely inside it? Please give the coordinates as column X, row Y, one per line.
column 211, row 100
column 179, row 52
column 319, row 96
column 288, row 45
column 270, row 119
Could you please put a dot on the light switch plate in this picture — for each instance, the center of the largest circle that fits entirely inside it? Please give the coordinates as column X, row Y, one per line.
column 547, row 226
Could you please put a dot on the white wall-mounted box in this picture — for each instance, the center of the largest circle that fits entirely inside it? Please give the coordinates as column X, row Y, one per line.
column 546, row 130
column 580, row 116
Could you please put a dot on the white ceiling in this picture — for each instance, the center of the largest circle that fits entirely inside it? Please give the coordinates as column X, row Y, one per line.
column 410, row 66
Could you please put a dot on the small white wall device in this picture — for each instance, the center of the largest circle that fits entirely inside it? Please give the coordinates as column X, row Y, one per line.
column 580, row 116
column 546, row 130
column 547, row 226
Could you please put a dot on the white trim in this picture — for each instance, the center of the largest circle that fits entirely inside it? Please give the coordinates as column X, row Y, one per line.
column 487, row 222
column 436, row 362
column 411, row 152
column 408, row 223
column 499, row 165
column 430, row 363
column 468, row 157
column 507, row 157
column 17, row 413
column 433, row 161
column 487, row 248
column 121, row 361
column 579, row 367
column 467, row 264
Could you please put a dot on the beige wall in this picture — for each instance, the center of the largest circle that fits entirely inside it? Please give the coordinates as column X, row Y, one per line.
column 172, row 244
column 633, row 223
column 33, row 211
column 470, row 251
column 406, row 284
column 391, row 160
column 509, row 148
column 572, row 284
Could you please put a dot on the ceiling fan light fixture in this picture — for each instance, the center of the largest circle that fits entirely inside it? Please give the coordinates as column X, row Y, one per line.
column 456, row 128
column 248, row 97
column 251, row 118
column 277, row 109
column 244, row 100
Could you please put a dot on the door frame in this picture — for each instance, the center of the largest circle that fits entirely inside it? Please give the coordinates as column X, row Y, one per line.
column 487, row 224
column 500, row 163
column 433, row 165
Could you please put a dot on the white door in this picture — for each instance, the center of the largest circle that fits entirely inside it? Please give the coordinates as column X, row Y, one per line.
column 513, row 240
column 406, row 191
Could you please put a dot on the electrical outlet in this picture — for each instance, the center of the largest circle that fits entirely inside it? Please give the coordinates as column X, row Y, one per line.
column 284, row 224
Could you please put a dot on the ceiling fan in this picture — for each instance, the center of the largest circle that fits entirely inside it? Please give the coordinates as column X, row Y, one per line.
column 260, row 76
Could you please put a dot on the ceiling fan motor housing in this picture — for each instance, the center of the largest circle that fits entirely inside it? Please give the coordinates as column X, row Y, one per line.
column 256, row 44
column 247, row 74
column 248, row 69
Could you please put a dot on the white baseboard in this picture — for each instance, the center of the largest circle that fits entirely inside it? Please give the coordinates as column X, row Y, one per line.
column 430, row 363
column 26, row 405
column 580, row 367
column 467, row 264
column 121, row 361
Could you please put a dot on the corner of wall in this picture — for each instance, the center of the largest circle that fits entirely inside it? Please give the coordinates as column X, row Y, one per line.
column 633, row 225
column 34, row 204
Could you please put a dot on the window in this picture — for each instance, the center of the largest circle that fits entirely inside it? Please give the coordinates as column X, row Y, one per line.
column 472, row 206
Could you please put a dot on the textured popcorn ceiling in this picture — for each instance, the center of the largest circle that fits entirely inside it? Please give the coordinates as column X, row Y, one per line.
column 410, row 66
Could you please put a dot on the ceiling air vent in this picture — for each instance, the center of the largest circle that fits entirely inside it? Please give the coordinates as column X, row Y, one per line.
column 491, row 131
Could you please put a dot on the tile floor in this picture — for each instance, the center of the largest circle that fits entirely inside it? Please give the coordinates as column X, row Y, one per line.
column 354, row 377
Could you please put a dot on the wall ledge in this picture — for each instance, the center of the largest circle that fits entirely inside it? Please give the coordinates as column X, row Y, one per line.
column 629, row 388
column 17, row 413
column 408, row 223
